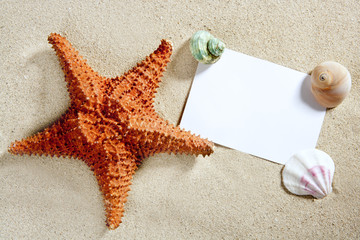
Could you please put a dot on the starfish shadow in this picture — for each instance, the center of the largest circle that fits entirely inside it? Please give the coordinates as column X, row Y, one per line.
column 183, row 65
column 53, row 98
column 183, row 162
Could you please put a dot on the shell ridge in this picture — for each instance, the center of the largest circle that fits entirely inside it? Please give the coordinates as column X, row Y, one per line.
column 311, row 188
column 321, row 183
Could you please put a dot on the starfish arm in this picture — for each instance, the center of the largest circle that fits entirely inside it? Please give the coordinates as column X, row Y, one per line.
column 145, row 77
column 157, row 135
column 58, row 139
column 114, row 174
column 82, row 81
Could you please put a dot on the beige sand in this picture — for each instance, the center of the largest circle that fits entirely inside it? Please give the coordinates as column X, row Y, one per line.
column 228, row 195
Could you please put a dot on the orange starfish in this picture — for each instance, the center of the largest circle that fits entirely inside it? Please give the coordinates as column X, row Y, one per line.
column 111, row 123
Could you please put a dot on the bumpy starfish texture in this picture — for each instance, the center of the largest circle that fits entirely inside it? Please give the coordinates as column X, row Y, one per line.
column 111, row 123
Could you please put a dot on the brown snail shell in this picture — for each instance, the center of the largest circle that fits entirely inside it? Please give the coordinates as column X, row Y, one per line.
column 330, row 83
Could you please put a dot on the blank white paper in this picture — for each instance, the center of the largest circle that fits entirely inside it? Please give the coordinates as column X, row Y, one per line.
column 254, row 106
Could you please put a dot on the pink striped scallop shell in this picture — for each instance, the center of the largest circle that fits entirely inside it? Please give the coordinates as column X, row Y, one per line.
column 309, row 172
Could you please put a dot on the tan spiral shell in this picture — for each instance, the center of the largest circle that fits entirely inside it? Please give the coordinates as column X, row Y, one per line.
column 330, row 83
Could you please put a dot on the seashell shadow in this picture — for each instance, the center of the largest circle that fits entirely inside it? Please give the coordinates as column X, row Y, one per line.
column 182, row 65
column 203, row 67
column 307, row 96
column 290, row 193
